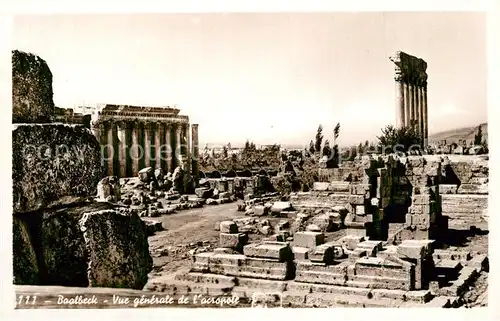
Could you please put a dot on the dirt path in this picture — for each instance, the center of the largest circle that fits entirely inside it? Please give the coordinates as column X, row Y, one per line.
column 186, row 230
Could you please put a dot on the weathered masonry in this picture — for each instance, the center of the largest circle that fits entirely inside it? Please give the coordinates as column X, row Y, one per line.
column 132, row 138
column 411, row 92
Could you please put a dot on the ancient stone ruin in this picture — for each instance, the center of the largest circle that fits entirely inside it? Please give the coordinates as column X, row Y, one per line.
column 93, row 209
column 392, row 251
column 134, row 137
column 61, row 236
column 411, row 93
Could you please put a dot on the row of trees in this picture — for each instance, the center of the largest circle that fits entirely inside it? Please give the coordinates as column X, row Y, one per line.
column 317, row 147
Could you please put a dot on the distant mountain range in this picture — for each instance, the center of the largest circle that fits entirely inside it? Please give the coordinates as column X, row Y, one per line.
column 454, row 135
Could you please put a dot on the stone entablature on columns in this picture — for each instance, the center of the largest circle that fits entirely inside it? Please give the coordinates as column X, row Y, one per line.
column 142, row 136
column 410, row 73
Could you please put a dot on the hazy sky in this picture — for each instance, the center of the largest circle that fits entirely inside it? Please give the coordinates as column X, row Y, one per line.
column 269, row 77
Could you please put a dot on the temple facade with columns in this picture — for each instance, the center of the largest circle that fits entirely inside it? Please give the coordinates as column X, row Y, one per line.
column 411, row 93
column 133, row 137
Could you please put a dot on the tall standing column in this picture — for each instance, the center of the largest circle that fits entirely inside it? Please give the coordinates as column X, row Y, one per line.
column 414, row 105
column 195, row 153
column 163, row 149
column 425, row 116
column 178, row 144
column 168, row 142
column 157, row 146
column 122, row 152
column 410, row 105
column 147, row 144
column 188, row 148
column 99, row 133
column 400, row 111
column 110, row 155
column 418, row 116
column 421, row 111
column 134, row 150
column 406, row 104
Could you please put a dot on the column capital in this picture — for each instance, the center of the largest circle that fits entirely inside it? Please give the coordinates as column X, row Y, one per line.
column 121, row 124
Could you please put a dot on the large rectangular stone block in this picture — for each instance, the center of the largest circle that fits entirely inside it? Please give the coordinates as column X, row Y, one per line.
column 322, row 253
column 234, row 241
column 371, row 247
column 351, row 241
column 308, row 239
column 276, row 250
column 53, row 163
column 228, row 227
column 300, row 253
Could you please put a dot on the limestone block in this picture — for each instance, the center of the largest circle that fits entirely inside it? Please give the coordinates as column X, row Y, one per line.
column 351, row 242
column 356, row 199
column 473, row 189
column 415, row 249
column 269, row 250
column 278, row 207
column 117, row 248
column 23, row 254
column 359, row 210
column 146, row 174
column 32, row 95
column 260, row 210
column 235, row 241
column 371, row 247
column 203, row 192
column 323, row 253
column 308, row 239
column 320, row 186
column 357, row 253
column 53, row 164
column 448, row 188
column 324, row 222
column 313, row 228
column 421, row 199
column 228, row 227
column 339, row 187
column 300, row 253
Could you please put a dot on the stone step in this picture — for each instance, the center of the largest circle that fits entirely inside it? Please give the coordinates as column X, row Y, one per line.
column 171, row 286
column 442, row 302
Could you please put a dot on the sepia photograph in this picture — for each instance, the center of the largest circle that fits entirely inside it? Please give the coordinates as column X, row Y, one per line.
column 239, row 160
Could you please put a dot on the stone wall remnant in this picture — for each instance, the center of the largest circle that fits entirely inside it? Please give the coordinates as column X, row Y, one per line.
column 53, row 163
column 32, row 95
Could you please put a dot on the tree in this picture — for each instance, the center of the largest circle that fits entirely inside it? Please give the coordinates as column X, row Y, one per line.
column 478, row 138
column 484, row 144
column 311, row 147
column 327, row 151
column 336, row 131
column 229, row 146
column 224, row 151
column 319, row 139
column 401, row 139
column 360, row 148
